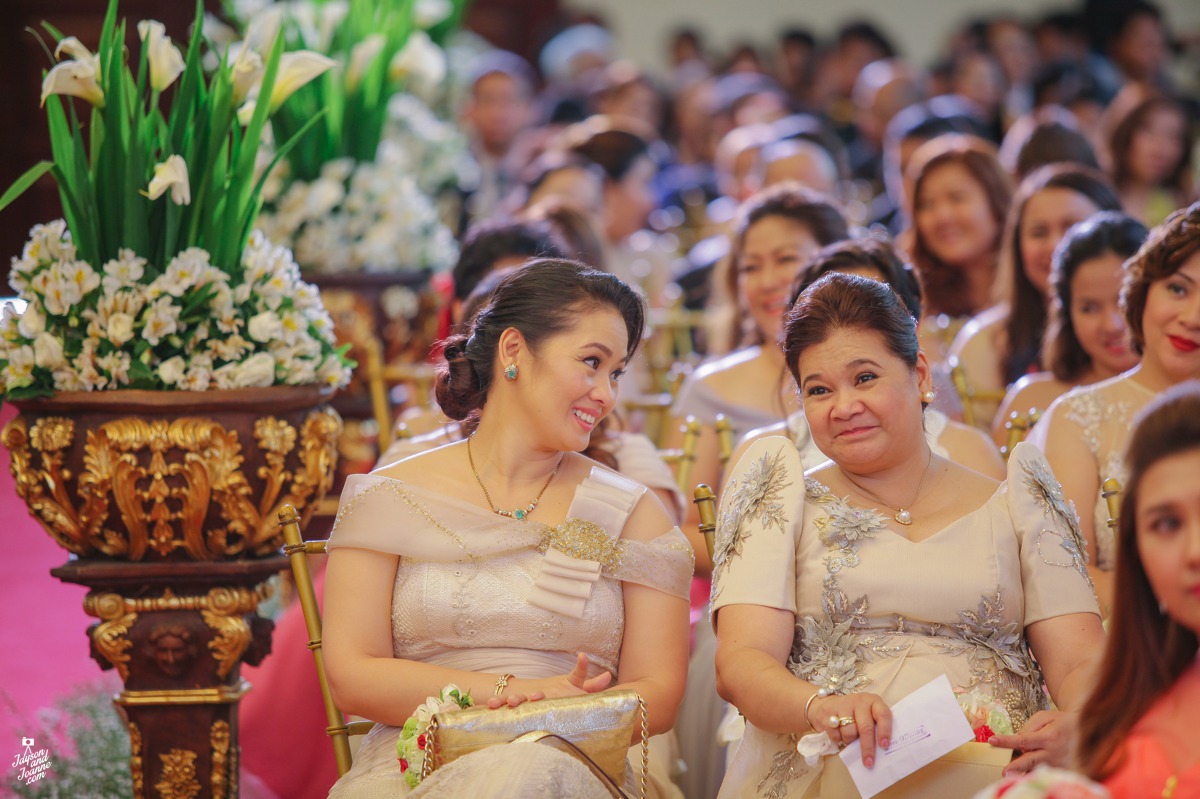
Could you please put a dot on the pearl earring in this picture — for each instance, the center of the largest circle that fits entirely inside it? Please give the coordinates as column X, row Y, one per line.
column 928, row 397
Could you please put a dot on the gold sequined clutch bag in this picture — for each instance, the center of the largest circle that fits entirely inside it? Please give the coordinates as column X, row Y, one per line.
column 595, row 728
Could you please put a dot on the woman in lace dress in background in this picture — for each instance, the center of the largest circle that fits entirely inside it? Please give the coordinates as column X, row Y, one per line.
column 1084, row 433
column 777, row 231
column 840, row 591
column 508, row 563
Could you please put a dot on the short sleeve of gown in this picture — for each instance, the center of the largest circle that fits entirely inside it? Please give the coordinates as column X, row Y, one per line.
column 1054, row 572
column 761, row 510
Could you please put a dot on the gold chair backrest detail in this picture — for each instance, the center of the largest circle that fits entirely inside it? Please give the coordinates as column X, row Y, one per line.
column 968, row 396
column 298, row 550
column 706, row 503
column 1017, row 427
column 683, row 460
column 381, row 376
column 1110, row 489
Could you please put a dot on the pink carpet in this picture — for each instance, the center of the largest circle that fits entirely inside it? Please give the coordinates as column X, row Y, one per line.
column 45, row 650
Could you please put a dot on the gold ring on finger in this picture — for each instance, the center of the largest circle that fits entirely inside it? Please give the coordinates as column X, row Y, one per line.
column 845, row 721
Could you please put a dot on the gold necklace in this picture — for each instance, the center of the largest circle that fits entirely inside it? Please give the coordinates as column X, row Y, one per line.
column 903, row 516
column 516, row 513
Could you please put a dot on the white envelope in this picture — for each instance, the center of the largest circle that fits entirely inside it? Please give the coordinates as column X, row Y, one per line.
column 926, row 724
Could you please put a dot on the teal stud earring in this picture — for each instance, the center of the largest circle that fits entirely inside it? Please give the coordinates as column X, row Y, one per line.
column 510, row 372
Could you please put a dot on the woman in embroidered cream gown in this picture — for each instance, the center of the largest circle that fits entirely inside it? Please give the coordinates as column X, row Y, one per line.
column 840, row 591
column 580, row 586
column 1084, row 433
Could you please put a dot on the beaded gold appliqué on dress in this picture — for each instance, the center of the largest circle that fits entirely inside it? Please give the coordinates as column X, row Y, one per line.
column 584, row 540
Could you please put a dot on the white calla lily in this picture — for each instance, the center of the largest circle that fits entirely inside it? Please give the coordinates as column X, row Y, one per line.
column 265, row 27
column 328, row 16
column 74, row 48
column 420, row 60
column 166, row 62
column 361, row 56
column 171, row 174
column 245, row 112
column 427, row 13
column 247, row 71
column 74, row 78
column 295, row 70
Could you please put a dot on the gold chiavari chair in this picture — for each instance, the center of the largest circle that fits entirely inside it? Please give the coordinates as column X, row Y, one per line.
column 683, row 459
column 1110, row 489
column 1017, row 427
column 298, row 550
column 970, row 397
column 381, row 377
column 651, row 414
column 706, row 503
column 671, row 340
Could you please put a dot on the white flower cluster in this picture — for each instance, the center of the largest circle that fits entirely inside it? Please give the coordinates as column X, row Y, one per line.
column 436, row 150
column 368, row 217
column 190, row 326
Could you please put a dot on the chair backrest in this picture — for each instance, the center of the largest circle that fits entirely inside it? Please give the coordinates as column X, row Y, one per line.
column 1017, row 428
column 380, row 378
column 970, row 397
column 1110, row 489
column 298, row 550
column 671, row 340
column 706, row 502
column 683, row 459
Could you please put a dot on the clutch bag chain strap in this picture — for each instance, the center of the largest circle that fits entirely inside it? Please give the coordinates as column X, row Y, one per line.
column 427, row 761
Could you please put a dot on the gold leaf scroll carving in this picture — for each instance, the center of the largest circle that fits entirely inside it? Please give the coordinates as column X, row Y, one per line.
column 44, row 490
column 111, row 635
column 318, row 457
column 163, row 477
column 135, row 761
column 218, row 738
column 178, row 775
column 225, row 615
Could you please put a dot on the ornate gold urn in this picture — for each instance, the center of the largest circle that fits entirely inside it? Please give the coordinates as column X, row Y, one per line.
column 168, row 502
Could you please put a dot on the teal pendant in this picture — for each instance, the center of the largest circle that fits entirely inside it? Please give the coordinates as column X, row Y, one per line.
column 519, row 515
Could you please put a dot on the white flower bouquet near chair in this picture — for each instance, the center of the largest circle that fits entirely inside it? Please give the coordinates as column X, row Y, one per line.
column 172, row 371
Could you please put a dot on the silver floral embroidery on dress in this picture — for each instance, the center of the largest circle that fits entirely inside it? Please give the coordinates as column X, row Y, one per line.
column 999, row 655
column 786, row 766
column 756, row 493
column 827, row 651
column 842, row 526
column 1048, row 493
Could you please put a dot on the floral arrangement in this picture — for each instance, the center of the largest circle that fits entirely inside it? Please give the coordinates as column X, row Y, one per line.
column 1044, row 783
column 410, row 749
column 986, row 716
column 357, row 195
column 362, row 216
column 88, row 745
column 155, row 279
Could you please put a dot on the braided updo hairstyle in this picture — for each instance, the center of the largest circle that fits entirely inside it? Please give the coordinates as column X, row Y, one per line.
column 541, row 299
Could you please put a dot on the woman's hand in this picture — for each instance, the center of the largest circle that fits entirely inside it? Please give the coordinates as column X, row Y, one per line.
column 1046, row 738
column 846, row 717
column 574, row 683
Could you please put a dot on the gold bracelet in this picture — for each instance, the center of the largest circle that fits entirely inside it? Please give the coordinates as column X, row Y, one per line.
column 502, row 683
